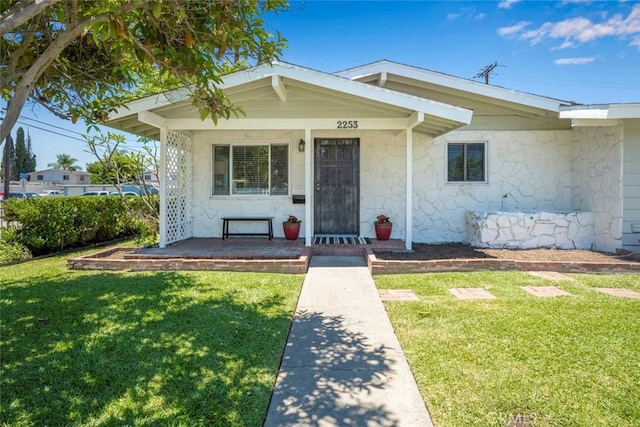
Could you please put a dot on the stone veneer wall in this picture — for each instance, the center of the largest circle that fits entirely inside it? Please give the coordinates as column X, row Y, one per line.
column 597, row 182
column 532, row 168
column 382, row 180
column 521, row 230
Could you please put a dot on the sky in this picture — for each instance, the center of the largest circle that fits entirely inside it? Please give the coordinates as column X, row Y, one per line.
column 574, row 50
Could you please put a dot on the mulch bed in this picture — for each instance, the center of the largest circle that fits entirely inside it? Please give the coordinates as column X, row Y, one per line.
column 422, row 251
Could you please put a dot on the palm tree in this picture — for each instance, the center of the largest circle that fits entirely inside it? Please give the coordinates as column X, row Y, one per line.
column 66, row 162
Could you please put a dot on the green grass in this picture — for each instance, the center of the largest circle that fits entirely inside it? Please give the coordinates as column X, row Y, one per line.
column 166, row 348
column 562, row 361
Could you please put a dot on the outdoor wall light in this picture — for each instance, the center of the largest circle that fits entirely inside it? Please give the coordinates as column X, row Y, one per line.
column 301, row 145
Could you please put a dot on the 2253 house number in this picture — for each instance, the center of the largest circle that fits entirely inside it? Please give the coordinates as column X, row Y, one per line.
column 347, row 124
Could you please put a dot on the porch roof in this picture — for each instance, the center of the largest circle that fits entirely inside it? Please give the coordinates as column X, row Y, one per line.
column 293, row 97
column 602, row 114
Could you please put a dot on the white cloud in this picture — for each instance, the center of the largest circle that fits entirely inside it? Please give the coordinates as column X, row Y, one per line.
column 580, row 30
column 574, row 61
column 468, row 12
column 506, row 4
column 514, row 29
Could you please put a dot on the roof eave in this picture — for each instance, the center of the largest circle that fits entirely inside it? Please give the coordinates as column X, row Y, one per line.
column 453, row 82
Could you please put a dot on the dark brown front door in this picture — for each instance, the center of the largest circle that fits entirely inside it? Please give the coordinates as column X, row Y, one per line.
column 337, row 186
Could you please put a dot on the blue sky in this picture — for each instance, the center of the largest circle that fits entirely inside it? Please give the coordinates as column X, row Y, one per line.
column 575, row 50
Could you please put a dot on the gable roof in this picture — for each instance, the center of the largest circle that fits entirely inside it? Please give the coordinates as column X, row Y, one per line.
column 491, row 104
column 286, row 91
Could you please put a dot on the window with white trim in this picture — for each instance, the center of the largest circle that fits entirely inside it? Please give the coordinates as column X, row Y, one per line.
column 243, row 169
column 466, row 162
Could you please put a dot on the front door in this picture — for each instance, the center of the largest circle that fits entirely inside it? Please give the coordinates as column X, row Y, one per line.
column 337, row 186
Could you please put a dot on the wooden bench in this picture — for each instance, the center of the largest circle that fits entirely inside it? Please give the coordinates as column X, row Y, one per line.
column 227, row 219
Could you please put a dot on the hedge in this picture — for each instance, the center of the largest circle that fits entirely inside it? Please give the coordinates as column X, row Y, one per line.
column 50, row 224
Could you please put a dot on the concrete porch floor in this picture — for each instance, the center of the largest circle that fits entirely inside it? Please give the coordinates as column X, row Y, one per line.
column 259, row 248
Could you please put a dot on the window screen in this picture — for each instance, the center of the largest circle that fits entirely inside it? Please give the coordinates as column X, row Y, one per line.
column 466, row 162
column 251, row 169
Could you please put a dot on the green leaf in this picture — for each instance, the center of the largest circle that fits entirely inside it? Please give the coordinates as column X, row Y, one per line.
column 156, row 9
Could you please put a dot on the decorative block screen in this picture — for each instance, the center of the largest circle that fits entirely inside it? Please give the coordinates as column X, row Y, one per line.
column 177, row 187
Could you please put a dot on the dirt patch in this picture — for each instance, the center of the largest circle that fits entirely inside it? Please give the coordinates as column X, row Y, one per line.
column 423, row 251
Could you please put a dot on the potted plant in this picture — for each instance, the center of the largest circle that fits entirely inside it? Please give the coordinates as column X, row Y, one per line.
column 291, row 228
column 383, row 227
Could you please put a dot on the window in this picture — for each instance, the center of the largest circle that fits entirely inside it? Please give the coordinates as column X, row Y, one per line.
column 81, row 177
column 466, row 162
column 251, row 169
column 39, row 177
column 65, row 177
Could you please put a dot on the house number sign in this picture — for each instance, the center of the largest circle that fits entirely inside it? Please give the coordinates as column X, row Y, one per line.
column 347, row 124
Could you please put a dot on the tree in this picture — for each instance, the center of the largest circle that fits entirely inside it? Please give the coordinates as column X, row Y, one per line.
column 65, row 162
column 24, row 159
column 8, row 160
column 117, row 168
column 80, row 59
column 30, row 162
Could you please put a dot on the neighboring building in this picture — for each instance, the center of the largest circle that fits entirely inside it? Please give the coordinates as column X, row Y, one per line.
column 150, row 177
column 60, row 177
column 448, row 159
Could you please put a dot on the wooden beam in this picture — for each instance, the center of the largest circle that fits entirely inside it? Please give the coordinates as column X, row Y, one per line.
column 283, row 124
column 382, row 79
column 278, row 87
column 151, row 119
column 415, row 119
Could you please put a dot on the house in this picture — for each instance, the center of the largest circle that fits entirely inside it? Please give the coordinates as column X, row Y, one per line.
column 60, row 176
column 448, row 159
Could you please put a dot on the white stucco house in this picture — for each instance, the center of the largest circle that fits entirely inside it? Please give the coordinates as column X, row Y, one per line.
column 60, row 176
column 448, row 159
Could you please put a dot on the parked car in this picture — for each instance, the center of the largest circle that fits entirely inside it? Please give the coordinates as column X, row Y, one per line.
column 124, row 193
column 95, row 193
column 32, row 194
column 48, row 193
column 17, row 195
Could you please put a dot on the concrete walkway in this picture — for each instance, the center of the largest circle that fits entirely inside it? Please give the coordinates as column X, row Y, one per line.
column 343, row 365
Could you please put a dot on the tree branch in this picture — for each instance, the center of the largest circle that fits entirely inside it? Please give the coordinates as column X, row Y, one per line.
column 21, row 12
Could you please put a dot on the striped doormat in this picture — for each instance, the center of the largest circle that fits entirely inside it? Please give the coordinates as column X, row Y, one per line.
column 340, row 240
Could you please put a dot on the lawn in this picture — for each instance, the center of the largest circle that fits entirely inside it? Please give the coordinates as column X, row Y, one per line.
column 562, row 361
column 162, row 348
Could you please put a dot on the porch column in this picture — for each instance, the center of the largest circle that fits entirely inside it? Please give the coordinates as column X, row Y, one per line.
column 163, row 186
column 409, row 202
column 414, row 120
column 308, row 188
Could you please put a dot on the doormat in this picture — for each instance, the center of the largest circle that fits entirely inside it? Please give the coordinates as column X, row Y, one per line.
column 340, row 240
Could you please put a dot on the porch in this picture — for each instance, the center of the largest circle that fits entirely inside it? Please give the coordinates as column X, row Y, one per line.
column 232, row 254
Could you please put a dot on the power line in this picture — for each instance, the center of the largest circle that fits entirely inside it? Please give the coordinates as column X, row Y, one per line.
column 51, row 131
column 53, row 126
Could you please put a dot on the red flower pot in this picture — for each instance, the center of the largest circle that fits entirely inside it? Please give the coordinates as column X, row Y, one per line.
column 291, row 230
column 383, row 231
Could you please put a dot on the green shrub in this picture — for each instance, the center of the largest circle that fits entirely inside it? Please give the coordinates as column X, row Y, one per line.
column 10, row 251
column 51, row 224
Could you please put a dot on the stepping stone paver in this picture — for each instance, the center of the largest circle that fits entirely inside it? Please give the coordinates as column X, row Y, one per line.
column 545, row 291
column 397, row 295
column 471, row 293
column 551, row 275
column 619, row 292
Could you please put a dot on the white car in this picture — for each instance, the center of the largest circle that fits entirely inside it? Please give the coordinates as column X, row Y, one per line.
column 48, row 193
column 124, row 193
column 95, row 193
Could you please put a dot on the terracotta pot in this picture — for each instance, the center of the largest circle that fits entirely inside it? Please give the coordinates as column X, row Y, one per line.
column 291, row 230
column 383, row 231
